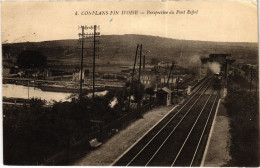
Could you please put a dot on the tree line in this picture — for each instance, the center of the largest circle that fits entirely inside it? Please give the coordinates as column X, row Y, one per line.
column 243, row 109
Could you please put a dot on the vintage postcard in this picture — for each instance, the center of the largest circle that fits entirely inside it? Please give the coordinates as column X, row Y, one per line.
column 130, row 83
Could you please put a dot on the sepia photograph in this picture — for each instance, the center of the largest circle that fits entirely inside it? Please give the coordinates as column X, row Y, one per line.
column 130, row 83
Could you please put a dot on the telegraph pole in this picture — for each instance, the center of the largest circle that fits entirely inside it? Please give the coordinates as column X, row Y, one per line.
column 140, row 65
column 28, row 91
column 177, row 80
column 139, row 81
column 131, row 87
column 94, row 35
column 164, row 76
column 172, row 85
column 199, row 71
column 167, row 84
column 81, row 65
column 143, row 62
column 94, row 55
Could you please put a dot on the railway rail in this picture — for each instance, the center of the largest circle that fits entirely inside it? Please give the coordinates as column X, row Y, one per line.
column 179, row 139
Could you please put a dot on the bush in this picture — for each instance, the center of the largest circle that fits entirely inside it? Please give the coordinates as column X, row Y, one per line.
column 242, row 107
column 35, row 132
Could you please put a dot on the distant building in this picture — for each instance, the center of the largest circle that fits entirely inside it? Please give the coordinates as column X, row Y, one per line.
column 76, row 75
column 163, row 64
column 148, row 79
column 37, row 73
column 171, row 82
column 47, row 73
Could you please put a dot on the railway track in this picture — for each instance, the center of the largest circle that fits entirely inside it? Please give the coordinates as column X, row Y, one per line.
column 179, row 139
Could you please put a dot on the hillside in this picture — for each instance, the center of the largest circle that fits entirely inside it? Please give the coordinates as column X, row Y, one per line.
column 120, row 50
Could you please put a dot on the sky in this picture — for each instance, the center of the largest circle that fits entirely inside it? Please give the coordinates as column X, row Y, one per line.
column 232, row 21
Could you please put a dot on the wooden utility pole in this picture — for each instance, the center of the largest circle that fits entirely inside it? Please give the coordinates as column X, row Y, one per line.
column 172, row 85
column 143, row 62
column 131, row 86
column 164, row 76
column 81, row 65
column 169, row 75
column 94, row 57
column 139, row 82
column 199, row 70
column 177, row 80
column 28, row 91
column 140, row 65
column 95, row 35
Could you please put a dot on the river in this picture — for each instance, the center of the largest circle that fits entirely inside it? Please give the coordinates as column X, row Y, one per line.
column 19, row 91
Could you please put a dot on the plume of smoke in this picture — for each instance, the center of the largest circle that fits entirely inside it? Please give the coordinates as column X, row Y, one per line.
column 214, row 67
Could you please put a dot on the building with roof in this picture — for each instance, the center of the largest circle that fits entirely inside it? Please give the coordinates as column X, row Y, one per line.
column 148, row 79
column 164, row 96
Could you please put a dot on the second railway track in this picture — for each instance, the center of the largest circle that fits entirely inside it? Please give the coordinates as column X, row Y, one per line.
column 179, row 139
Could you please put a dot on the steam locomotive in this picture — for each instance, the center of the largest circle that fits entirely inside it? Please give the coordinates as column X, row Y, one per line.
column 217, row 81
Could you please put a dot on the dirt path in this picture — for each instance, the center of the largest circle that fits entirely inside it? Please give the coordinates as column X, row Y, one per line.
column 218, row 149
column 119, row 143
